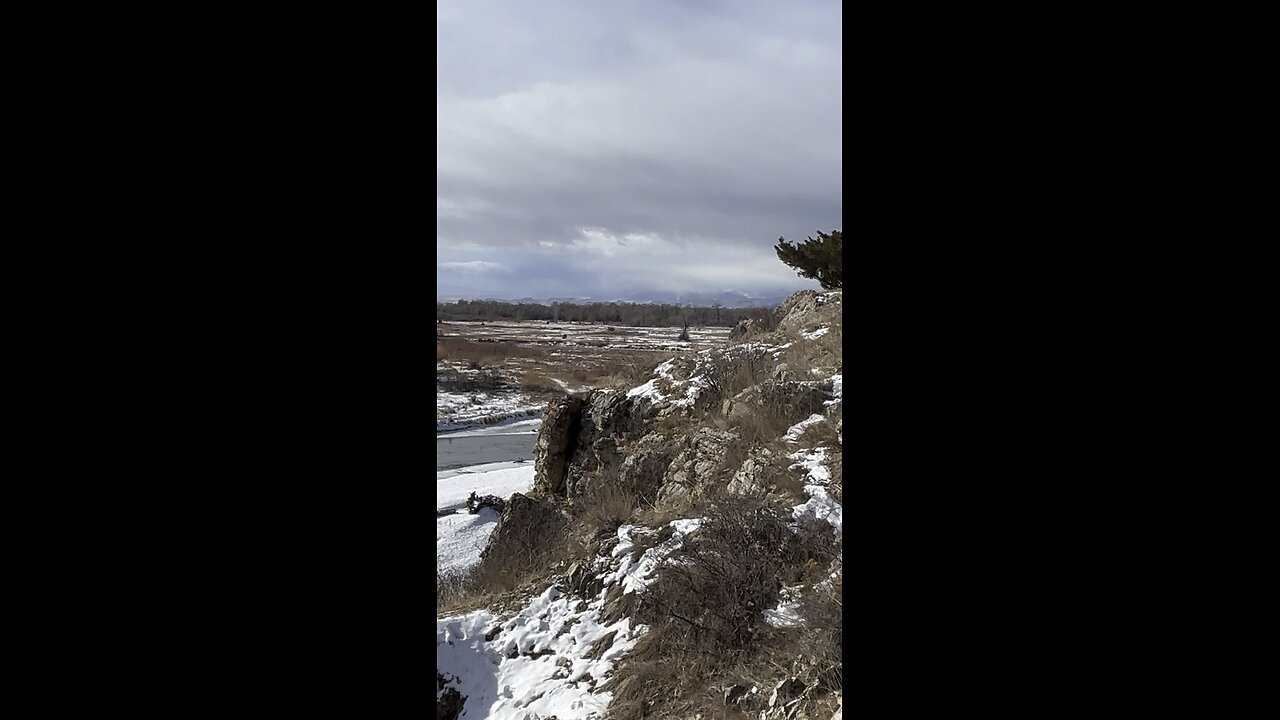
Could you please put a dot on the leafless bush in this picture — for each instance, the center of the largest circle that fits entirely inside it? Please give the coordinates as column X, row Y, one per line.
column 457, row 591
column 606, row 506
column 638, row 368
column 732, row 372
column 763, row 425
column 705, row 612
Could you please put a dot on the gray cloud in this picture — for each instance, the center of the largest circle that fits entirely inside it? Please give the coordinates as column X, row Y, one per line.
column 588, row 148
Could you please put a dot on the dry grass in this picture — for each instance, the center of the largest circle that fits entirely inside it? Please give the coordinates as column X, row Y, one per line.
column 478, row 381
column 731, row 373
column 704, row 612
column 485, row 352
column 606, row 506
column 500, row 580
column 539, row 366
column 763, row 426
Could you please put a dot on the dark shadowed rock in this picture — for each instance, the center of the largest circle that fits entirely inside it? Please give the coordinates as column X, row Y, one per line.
column 476, row 503
column 448, row 700
column 559, row 429
column 786, row 691
column 582, row 580
column 645, row 464
column 525, row 527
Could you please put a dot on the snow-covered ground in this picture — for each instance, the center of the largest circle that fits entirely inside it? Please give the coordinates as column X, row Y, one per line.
column 462, row 411
column 518, row 427
column 459, row 539
column 570, row 334
column 541, row 663
column 461, row 536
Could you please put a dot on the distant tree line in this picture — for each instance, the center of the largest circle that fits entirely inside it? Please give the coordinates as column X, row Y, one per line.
column 611, row 313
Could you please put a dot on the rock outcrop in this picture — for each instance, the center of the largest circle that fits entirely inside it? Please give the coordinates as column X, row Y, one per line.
column 703, row 424
column 745, row 328
column 523, row 522
column 555, row 439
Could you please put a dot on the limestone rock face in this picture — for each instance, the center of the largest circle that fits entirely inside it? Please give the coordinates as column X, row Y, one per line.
column 753, row 476
column 702, row 465
column 807, row 309
column 559, row 430
column 645, row 464
column 800, row 303
column 609, row 420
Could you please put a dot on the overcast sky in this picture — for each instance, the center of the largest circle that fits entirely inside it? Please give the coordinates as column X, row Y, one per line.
column 593, row 148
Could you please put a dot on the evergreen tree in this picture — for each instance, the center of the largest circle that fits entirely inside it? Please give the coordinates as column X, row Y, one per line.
column 818, row 259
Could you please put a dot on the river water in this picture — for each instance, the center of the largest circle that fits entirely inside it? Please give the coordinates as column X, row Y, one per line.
column 455, row 452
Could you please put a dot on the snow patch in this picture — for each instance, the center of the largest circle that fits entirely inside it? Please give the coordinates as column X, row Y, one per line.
column 837, row 389
column 811, row 461
column 536, row 665
column 787, row 613
column 820, row 507
column 459, row 539
column 461, row 536
column 636, row 574
column 817, row 333
column 454, row 487
column 795, row 431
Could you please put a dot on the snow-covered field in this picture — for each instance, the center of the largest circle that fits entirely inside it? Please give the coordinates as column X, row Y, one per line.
column 461, row 411
column 584, row 334
column 461, row 536
column 519, row 427
column 536, row 361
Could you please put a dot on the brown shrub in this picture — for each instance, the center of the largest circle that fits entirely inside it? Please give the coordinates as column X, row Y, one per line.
column 606, row 506
column 705, row 608
column 763, row 425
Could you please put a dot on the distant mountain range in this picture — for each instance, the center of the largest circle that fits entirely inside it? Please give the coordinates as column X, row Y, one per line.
column 724, row 298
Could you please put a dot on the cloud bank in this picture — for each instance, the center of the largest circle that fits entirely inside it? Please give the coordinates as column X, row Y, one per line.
column 597, row 149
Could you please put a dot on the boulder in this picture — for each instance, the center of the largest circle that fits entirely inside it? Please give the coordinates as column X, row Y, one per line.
column 448, row 700
column 745, row 328
column 582, row 580
column 526, row 525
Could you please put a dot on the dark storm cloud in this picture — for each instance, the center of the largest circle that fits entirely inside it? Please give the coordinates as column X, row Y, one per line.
column 590, row 148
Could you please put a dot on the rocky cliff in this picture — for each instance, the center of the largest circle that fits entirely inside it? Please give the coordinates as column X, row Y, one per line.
column 722, row 472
